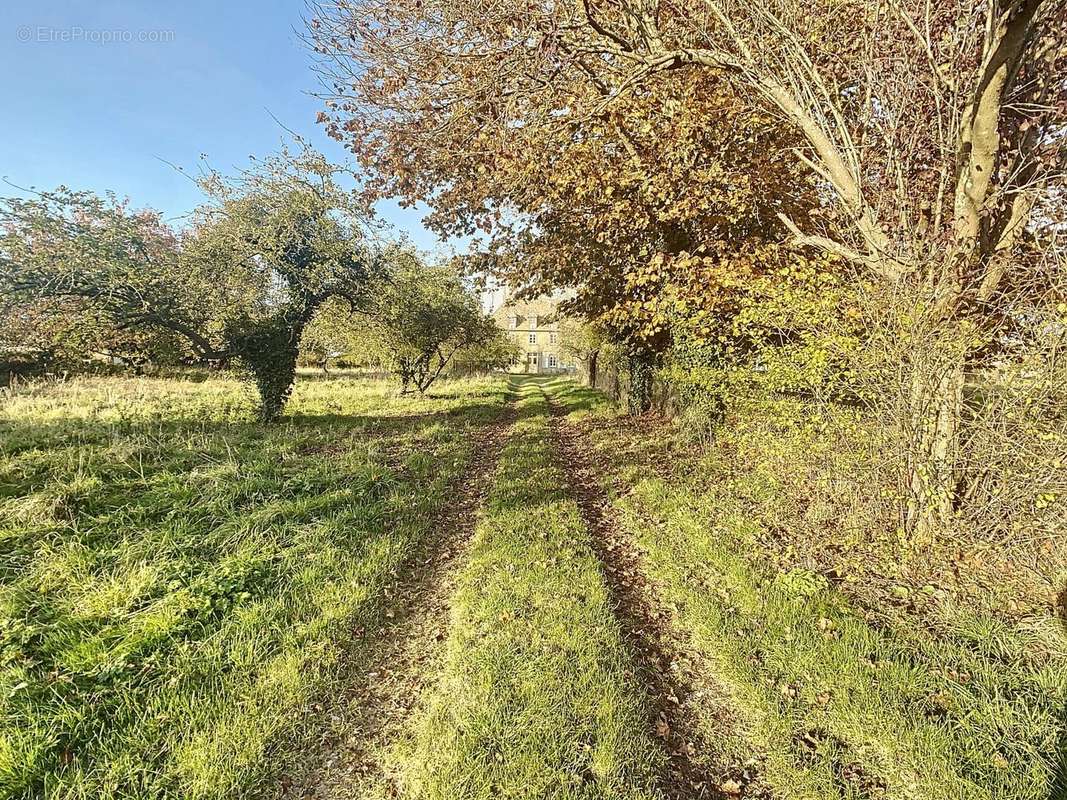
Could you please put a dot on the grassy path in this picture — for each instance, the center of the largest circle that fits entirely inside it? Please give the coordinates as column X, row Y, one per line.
column 392, row 670
column 665, row 665
column 537, row 695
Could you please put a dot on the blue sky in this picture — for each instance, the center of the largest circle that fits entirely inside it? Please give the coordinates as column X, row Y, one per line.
column 96, row 92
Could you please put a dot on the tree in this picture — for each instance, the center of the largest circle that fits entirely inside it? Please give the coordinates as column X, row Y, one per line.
column 82, row 252
column 497, row 352
column 932, row 133
column 582, row 341
column 630, row 207
column 295, row 235
column 272, row 245
column 67, row 334
column 334, row 333
column 423, row 317
column 936, row 131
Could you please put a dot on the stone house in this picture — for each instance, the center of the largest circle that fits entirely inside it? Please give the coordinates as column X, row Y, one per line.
column 533, row 325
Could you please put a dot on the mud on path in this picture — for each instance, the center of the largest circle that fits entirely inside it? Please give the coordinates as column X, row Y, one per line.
column 664, row 668
column 350, row 760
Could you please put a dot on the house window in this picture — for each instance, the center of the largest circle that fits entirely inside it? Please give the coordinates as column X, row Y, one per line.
column 532, row 359
column 513, row 322
column 533, row 322
column 552, row 337
column 533, row 338
column 552, row 360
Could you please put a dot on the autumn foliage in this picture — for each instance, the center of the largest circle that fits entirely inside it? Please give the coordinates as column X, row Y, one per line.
column 887, row 177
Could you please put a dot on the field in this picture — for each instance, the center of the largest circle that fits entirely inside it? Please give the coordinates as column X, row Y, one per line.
column 179, row 583
column 501, row 589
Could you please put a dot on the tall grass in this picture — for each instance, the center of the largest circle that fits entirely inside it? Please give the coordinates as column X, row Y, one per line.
column 834, row 689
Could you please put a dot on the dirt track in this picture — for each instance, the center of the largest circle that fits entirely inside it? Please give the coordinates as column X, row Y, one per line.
column 645, row 624
column 382, row 691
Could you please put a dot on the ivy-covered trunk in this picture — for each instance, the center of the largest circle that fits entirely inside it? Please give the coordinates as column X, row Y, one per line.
column 641, row 372
column 593, row 368
column 934, row 413
column 268, row 349
column 270, row 352
column 275, row 383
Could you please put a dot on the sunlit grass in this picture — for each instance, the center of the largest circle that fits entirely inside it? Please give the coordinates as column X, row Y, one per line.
column 537, row 697
column 831, row 700
column 178, row 581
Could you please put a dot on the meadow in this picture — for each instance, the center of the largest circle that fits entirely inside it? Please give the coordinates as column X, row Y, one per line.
column 180, row 582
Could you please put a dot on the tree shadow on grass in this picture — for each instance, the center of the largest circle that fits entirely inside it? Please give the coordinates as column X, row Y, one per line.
column 387, row 423
column 573, row 396
column 319, row 376
column 149, row 447
column 16, row 435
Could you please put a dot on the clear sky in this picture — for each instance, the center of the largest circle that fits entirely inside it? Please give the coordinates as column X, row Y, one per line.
column 97, row 92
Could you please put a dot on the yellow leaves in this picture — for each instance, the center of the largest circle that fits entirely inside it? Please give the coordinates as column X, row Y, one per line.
column 1044, row 500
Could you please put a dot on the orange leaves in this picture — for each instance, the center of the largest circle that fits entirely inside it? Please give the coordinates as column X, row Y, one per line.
column 653, row 207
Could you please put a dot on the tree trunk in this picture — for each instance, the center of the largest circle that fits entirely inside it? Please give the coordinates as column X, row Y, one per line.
column 270, row 351
column 640, row 399
column 935, row 408
column 274, row 380
column 592, row 368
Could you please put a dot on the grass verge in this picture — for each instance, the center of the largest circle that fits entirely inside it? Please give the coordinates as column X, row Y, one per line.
column 837, row 699
column 177, row 584
column 537, row 697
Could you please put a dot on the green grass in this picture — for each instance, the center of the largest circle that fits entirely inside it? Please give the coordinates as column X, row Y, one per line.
column 537, row 696
column 178, row 587
column 836, row 701
column 177, row 583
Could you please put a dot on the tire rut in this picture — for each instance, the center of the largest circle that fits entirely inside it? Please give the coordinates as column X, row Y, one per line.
column 645, row 623
column 396, row 663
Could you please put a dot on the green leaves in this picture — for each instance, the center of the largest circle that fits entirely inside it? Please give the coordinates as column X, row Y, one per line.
column 424, row 317
column 268, row 249
column 80, row 271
